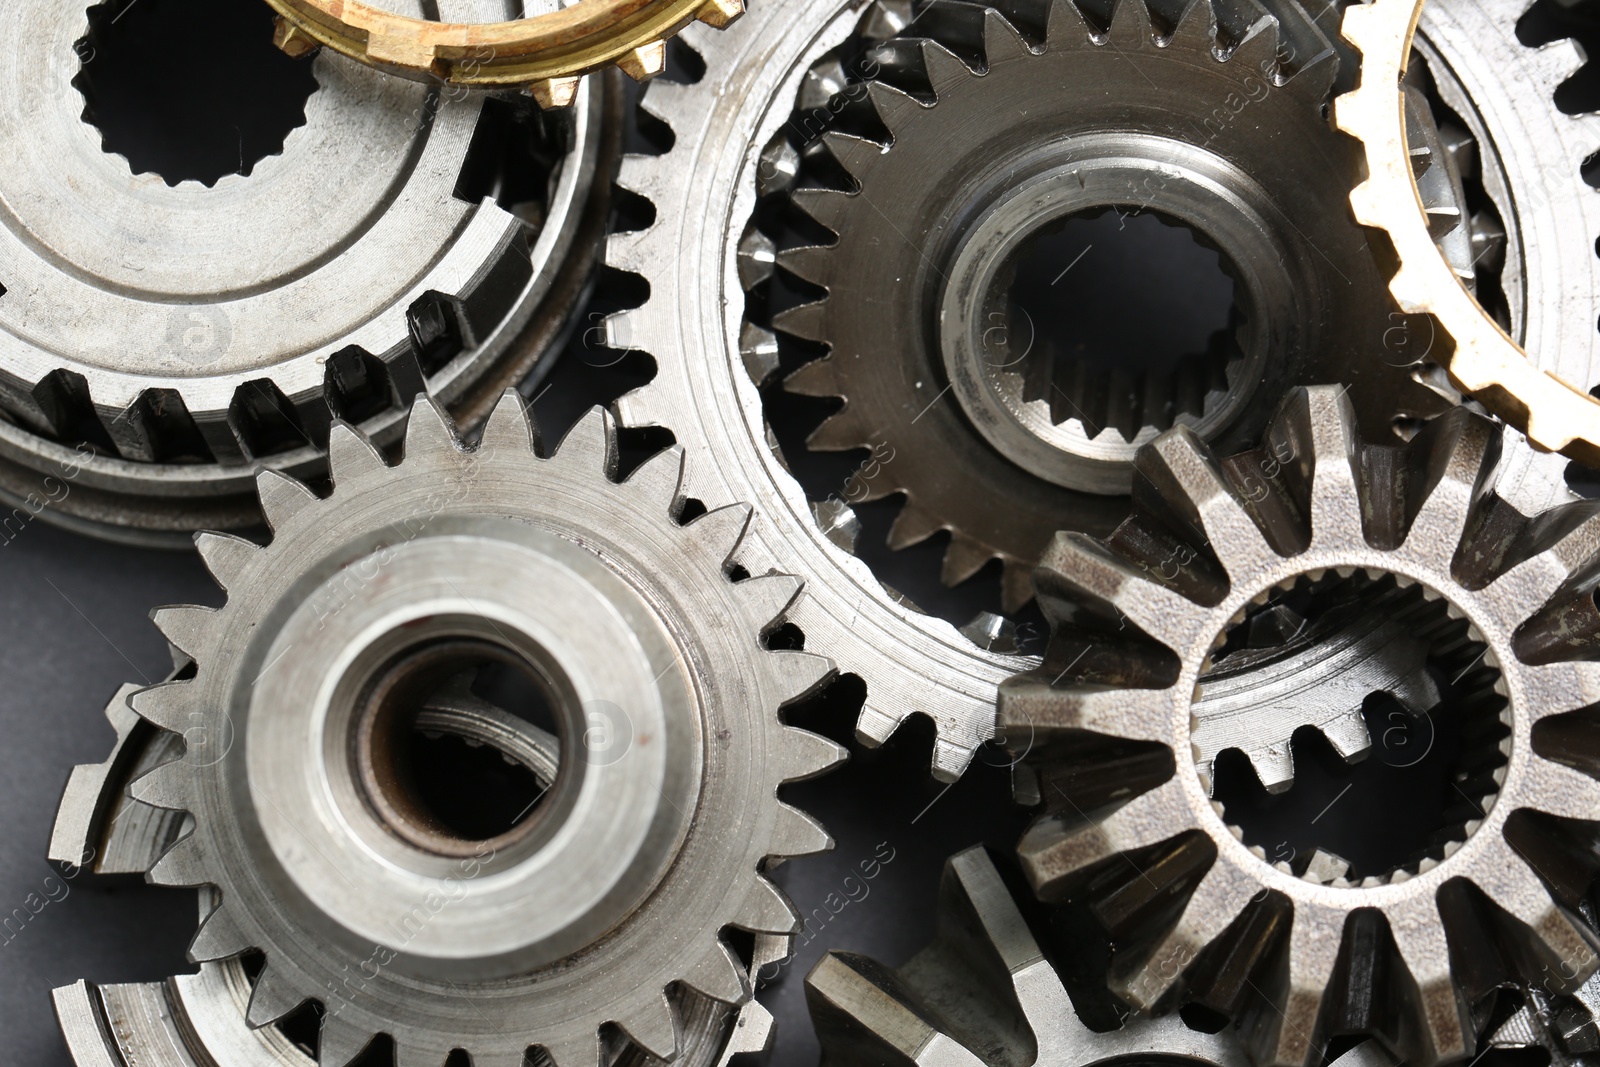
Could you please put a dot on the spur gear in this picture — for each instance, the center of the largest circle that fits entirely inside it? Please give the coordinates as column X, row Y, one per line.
column 310, row 830
column 546, row 51
column 1197, row 911
column 944, row 166
column 160, row 338
column 705, row 390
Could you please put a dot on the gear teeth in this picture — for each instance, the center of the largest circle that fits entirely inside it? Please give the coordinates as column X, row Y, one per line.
column 1196, row 28
column 766, row 910
column 660, row 480
column 1065, row 26
column 185, row 626
column 803, row 754
column 767, row 597
column 553, row 94
column 912, row 527
column 282, row 497
column 1315, row 80
column 430, row 430
column 1131, row 26
column 852, row 153
column 272, row 998
column 510, row 429
column 339, row 1045
column 840, row 432
column 859, row 1000
column 809, row 322
column 219, row 937
column 162, row 705
column 816, row 378
column 874, row 727
column 1461, row 467
column 653, row 1027
column 1320, row 426
column 894, row 107
column 799, row 673
column 351, row 453
column 183, row 865
column 963, row 558
column 942, row 68
column 950, row 760
column 1016, row 586
column 756, row 257
column 826, row 207
column 720, row 14
column 1001, row 41
column 798, row 834
column 809, row 263
column 1557, row 62
column 645, row 62
column 719, row 976
column 575, row 1050
column 225, row 556
column 1447, row 1033
column 758, row 348
column 1257, row 50
column 720, row 533
column 589, row 446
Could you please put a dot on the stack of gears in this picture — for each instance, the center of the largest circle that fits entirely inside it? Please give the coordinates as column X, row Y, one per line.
column 1349, row 520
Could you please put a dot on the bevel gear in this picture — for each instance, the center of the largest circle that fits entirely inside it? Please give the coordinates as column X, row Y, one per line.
column 705, row 389
column 986, row 125
column 1542, row 391
column 605, row 907
column 158, row 341
column 1130, row 828
column 546, row 52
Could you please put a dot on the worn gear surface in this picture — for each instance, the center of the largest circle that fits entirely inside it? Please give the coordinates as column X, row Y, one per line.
column 603, row 908
column 1130, row 826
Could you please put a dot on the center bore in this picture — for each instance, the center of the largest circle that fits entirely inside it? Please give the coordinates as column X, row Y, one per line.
column 456, row 744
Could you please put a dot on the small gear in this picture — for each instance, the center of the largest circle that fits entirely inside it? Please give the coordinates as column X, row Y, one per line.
column 546, row 52
column 316, row 846
column 1197, row 910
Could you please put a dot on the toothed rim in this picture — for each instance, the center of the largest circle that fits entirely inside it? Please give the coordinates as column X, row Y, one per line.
column 738, row 698
column 1320, row 513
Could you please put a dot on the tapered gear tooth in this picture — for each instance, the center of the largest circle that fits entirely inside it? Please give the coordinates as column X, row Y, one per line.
column 351, row 453
column 1274, row 766
column 1315, row 80
column 219, row 938
column 1179, row 462
column 719, row 533
column 766, row 910
column 1130, row 25
column 652, row 1027
column 719, row 976
column 942, row 67
column 1054, row 849
column 1093, row 569
column 912, row 526
column 1459, row 470
column 551, row 94
column 809, row 263
column 225, row 555
column 756, row 258
column 1213, row 906
column 659, row 480
column 840, row 432
column 282, row 497
column 1196, row 29
column 799, row 674
column 758, row 348
column 645, row 62
column 963, row 559
column 183, row 865
column 510, row 430
column 798, row 834
column 162, row 705
column 803, row 754
column 1016, row 586
column 1447, row 1032
column 768, row 597
column 895, row 108
column 1001, row 41
column 185, row 625
column 590, row 446
column 855, row 1001
column 272, row 998
column 1320, row 425
column 574, row 1050
column 809, row 322
column 1258, row 49
column 430, row 430
column 827, row 207
column 852, row 153
column 338, row 1044
column 1514, row 885
column 874, row 727
column 950, row 759
column 1291, row 1034
column 719, row 14
column 1065, row 25
column 1558, row 61
column 816, row 378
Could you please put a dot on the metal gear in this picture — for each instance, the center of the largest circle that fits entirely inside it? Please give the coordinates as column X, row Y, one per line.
column 546, row 52
column 159, row 341
column 708, row 361
column 943, row 166
column 605, row 906
column 1510, row 88
column 1131, row 829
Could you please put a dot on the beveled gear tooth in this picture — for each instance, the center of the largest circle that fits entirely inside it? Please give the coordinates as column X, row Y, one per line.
column 843, row 431
column 798, row 834
column 912, row 526
column 226, row 556
column 271, row 998
column 851, row 152
column 1258, row 49
column 803, row 754
column 950, row 759
column 1196, row 28
column 1314, row 81
column 510, row 430
column 659, row 480
column 1447, row 1033
column 351, row 453
column 167, row 786
column 1131, row 26
column 720, row 14
column 809, row 263
column 719, row 533
column 1457, row 472
column 766, row 909
column 282, row 497
column 339, row 1044
column 652, row 1027
column 758, row 349
column 798, row 674
column 219, row 938
column 1557, row 62
column 1065, row 26
column 1181, row 466
column 574, row 1050
column 430, row 431
column 646, row 61
column 162, row 705
column 855, row 1002
column 185, row 625
column 719, row 976
column 874, row 727
column 963, row 558
column 768, row 597
column 1016, row 585
column 894, row 108
column 591, row 445
column 1002, row 43
column 182, row 865
column 826, row 207
column 816, row 378
column 553, row 94
column 809, row 322
column 757, row 256
column 943, row 69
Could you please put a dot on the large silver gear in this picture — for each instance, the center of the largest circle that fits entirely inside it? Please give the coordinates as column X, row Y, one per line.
column 199, row 330
column 1212, row 115
column 704, row 191
column 1130, row 822
column 606, row 906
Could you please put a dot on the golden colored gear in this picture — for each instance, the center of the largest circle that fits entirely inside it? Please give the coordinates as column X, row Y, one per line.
column 545, row 54
column 1485, row 361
